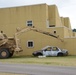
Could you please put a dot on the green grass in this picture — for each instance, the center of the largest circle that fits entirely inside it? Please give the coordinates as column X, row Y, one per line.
column 11, row 74
column 60, row 61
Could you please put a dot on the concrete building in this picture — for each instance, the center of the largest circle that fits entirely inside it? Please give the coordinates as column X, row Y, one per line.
column 43, row 16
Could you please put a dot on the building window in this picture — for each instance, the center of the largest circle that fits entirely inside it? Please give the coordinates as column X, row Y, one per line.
column 30, row 44
column 51, row 25
column 48, row 24
column 29, row 23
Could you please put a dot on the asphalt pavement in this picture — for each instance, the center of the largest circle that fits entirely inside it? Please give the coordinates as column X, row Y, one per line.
column 34, row 69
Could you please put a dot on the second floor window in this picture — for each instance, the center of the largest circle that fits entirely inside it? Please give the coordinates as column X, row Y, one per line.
column 29, row 23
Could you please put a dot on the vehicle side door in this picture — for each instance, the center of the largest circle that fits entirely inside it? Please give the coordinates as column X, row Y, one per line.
column 54, row 51
column 47, row 52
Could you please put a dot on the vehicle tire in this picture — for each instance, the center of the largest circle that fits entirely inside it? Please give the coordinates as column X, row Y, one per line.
column 60, row 54
column 4, row 53
column 38, row 54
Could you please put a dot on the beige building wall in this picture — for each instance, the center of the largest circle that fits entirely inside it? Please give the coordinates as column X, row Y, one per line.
column 59, row 31
column 43, row 16
column 67, row 27
column 68, row 32
column 51, row 13
column 18, row 17
column 67, row 22
column 74, row 34
column 70, row 45
column 62, row 20
column 40, row 41
column 54, row 17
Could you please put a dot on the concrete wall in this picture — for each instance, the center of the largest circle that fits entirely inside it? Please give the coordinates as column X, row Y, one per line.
column 40, row 41
column 54, row 17
column 74, row 34
column 68, row 32
column 66, row 22
column 18, row 16
column 70, row 45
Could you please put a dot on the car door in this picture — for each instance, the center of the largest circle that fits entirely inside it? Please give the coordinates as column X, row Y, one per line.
column 47, row 52
column 54, row 51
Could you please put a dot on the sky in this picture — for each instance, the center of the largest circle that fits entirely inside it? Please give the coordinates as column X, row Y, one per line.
column 67, row 8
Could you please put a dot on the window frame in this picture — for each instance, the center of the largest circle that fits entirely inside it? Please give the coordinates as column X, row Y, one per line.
column 30, row 46
column 29, row 23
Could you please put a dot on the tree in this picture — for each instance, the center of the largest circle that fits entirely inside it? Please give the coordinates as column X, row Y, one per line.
column 74, row 30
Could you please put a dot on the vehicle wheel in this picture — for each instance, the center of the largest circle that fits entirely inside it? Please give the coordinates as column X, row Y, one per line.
column 4, row 53
column 38, row 54
column 60, row 54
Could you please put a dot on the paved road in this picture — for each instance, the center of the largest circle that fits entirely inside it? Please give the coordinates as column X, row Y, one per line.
column 37, row 69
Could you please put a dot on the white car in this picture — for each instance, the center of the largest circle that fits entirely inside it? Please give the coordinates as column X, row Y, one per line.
column 50, row 51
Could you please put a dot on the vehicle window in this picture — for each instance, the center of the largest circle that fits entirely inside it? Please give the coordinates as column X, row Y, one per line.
column 48, row 49
column 55, row 49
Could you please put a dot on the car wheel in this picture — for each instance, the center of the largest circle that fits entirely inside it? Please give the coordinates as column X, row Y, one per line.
column 60, row 54
column 38, row 54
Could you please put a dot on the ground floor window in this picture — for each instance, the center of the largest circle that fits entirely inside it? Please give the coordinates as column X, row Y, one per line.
column 30, row 44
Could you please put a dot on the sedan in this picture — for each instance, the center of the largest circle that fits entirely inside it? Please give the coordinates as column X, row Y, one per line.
column 51, row 51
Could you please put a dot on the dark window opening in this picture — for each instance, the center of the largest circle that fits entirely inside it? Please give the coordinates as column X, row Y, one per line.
column 51, row 25
column 29, row 23
column 30, row 44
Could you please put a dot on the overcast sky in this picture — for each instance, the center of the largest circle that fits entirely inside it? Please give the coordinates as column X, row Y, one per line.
column 67, row 8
